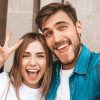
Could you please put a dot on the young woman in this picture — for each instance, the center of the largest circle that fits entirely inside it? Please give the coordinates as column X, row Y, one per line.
column 30, row 75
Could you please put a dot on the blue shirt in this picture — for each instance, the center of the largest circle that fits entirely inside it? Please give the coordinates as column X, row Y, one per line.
column 84, row 82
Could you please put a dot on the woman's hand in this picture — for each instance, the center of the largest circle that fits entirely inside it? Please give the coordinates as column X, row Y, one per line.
column 5, row 51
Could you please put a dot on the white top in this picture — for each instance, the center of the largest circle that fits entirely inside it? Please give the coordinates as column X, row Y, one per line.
column 63, row 92
column 26, row 93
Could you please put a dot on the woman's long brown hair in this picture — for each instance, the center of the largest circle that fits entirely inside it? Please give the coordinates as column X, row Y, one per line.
column 15, row 73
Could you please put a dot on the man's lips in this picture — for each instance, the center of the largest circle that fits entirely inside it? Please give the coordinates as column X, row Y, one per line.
column 62, row 47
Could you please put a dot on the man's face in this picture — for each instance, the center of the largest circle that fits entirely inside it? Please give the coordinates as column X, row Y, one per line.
column 62, row 37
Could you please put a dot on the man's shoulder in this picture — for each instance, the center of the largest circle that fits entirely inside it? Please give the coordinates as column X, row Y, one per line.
column 95, row 58
column 95, row 64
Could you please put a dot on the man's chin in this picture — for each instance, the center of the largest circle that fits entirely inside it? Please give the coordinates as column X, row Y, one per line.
column 68, row 62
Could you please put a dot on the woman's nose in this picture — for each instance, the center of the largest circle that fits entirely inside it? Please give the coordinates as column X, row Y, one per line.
column 33, row 61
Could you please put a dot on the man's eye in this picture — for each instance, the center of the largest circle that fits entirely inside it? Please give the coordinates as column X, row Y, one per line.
column 48, row 34
column 62, row 28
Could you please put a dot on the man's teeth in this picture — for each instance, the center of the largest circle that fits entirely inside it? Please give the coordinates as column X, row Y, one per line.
column 62, row 46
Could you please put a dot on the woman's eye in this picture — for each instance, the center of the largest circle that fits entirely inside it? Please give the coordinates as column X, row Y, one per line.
column 25, row 56
column 41, row 56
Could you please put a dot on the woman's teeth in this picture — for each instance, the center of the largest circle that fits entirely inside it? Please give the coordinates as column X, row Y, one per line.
column 33, row 72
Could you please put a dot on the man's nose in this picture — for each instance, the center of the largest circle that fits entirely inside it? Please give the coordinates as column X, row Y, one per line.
column 57, row 36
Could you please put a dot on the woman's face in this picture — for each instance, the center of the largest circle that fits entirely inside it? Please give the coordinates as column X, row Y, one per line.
column 33, row 64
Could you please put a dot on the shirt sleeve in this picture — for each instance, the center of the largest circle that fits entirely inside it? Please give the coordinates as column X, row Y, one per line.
column 4, row 78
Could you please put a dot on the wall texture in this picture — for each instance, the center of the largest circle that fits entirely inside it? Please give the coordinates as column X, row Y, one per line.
column 19, row 21
column 20, row 13
column 88, row 12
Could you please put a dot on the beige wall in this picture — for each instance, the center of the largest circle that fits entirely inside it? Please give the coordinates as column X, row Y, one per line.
column 19, row 21
column 88, row 12
column 45, row 2
column 20, row 13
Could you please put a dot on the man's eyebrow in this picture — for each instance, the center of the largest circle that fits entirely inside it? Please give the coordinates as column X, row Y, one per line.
column 57, row 23
column 61, row 22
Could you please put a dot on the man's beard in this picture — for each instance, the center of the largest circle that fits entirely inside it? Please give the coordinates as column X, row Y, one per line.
column 76, row 50
column 76, row 54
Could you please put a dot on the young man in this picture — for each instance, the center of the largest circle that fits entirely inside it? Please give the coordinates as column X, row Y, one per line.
column 76, row 73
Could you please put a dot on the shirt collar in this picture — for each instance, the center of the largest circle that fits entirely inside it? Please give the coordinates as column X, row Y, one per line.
column 83, row 61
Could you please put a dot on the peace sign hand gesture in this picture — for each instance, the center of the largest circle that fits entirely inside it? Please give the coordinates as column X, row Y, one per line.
column 5, row 51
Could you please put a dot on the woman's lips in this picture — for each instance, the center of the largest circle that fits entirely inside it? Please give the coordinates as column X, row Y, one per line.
column 32, row 73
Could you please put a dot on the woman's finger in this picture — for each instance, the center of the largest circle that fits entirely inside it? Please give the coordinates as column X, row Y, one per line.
column 1, row 49
column 16, row 45
column 8, row 37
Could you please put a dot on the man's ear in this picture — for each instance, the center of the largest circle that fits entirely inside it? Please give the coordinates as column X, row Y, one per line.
column 79, row 27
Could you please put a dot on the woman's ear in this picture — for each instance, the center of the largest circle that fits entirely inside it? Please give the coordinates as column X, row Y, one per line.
column 79, row 27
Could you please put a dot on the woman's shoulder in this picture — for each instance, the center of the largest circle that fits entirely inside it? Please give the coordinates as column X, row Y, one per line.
column 4, row 78
column 3, row 75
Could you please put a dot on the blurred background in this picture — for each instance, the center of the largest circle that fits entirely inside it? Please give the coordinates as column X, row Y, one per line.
column 18, row 17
